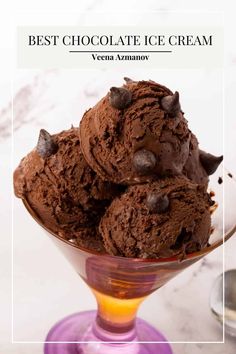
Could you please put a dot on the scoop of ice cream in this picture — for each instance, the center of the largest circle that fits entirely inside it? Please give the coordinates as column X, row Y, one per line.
column 88, row 238
column 193, row 168
column 200, row 164
column 136, row 133
column 60, row 187
column 164, row 218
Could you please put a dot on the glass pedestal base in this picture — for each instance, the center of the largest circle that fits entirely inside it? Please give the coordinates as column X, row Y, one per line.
column 78, row 328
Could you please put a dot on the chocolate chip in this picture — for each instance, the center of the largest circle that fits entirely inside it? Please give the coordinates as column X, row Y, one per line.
column 157, row 203
column 210, row 201
column 171, row 104
column 209, row 162
column 127, row 80
column 220, row 180
column 144, row 161
column 46, row 146
column 120, row 97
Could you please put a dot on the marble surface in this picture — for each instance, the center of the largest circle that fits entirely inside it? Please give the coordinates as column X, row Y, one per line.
column 45, row 286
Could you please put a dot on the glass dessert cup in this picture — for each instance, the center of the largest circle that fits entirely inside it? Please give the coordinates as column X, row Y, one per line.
column 121, row 284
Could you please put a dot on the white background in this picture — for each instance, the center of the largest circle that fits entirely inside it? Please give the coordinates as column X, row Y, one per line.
column 59, row 291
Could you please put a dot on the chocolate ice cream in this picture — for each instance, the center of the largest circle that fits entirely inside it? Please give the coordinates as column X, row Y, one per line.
column 193, row 168
column 200, row 164
column 136, row 133
column 160, row 219
column 65, row 193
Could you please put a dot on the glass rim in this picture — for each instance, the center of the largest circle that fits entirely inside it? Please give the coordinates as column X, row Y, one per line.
column 176, row 258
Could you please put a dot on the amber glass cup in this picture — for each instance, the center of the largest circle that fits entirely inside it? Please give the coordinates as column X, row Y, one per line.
column 121, row 284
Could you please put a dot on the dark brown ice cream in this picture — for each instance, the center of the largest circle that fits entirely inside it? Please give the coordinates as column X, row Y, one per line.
column 200, row 164
column 86, row 237
column 136, row 133
column 193, row 168
column 65, row 193
column 160, row 219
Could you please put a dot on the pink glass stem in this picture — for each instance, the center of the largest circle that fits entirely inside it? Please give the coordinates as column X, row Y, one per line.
column 82, row 328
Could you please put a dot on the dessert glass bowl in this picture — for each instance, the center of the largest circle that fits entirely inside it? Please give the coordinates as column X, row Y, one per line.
column 121, row 284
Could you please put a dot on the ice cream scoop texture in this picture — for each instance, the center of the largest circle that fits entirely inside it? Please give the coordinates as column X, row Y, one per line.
column 131, row 181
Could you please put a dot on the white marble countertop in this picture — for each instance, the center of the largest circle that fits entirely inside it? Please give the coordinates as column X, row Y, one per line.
column 45, row 286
